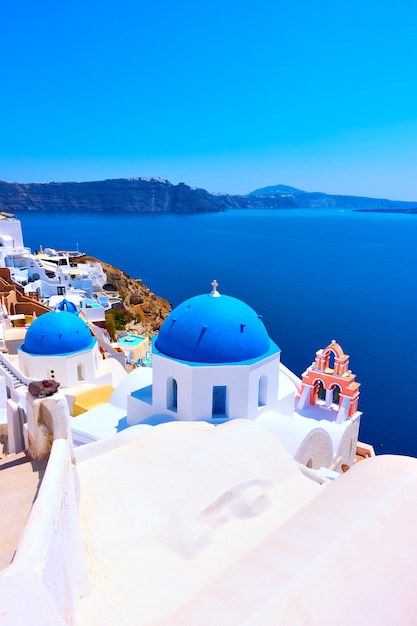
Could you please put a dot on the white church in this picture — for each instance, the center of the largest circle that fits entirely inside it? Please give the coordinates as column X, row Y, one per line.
column 213, row 362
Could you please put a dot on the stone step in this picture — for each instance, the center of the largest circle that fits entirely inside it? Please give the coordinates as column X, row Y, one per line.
column 16, row 381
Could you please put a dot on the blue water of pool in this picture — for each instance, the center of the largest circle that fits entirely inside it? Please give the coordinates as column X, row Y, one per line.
column 131, row 341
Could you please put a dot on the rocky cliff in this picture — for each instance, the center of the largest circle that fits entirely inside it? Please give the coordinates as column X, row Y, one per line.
column 123, row 196
column 148, row 310
column 110, row 196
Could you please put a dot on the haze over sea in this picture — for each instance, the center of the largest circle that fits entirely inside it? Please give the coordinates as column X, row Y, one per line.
column 314, row 276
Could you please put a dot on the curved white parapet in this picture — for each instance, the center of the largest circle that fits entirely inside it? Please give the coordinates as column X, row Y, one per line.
column 48, row 578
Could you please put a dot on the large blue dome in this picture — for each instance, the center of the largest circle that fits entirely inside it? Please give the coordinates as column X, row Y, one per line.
column 57, row 333
column 213, row 329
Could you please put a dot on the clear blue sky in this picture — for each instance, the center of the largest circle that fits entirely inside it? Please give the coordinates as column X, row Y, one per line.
column 227, row 95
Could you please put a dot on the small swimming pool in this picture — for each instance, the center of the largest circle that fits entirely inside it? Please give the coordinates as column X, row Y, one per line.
column 92, row 304
column 130, row 341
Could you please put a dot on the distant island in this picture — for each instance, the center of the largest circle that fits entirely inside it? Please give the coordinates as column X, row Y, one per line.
column 412, row 211
column 320, row 200
column 156, row 195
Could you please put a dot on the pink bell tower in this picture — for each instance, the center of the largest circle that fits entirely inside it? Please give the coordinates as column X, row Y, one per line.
column 329, row 383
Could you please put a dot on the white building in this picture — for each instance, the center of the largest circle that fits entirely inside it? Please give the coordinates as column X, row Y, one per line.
column 212, row 361
column 12, row 251
column 59, row 346
column 47, row 273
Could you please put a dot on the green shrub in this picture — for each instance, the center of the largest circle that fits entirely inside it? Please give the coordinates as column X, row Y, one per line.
column 117, row 319
column 110, row 326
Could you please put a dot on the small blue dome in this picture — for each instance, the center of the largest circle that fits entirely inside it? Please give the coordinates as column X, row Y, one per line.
column 57, row 333
column 67, row 305
column 207, row 329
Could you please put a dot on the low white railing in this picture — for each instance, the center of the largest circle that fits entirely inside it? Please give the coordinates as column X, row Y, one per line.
column 9, row 365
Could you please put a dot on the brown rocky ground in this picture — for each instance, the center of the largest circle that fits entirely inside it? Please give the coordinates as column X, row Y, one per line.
column 137, row 298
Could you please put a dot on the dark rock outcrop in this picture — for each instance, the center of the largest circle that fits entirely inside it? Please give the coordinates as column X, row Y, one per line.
column 137, row 298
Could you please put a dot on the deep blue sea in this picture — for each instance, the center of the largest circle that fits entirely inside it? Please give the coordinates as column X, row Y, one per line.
column 314, row 275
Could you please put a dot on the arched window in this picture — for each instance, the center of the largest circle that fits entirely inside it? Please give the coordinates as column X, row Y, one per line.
column 80, row 371
column 336, row 394
column 219, row 400
column 321, row 392
column 262, row 389
column 330, row 359
column 172, row 394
